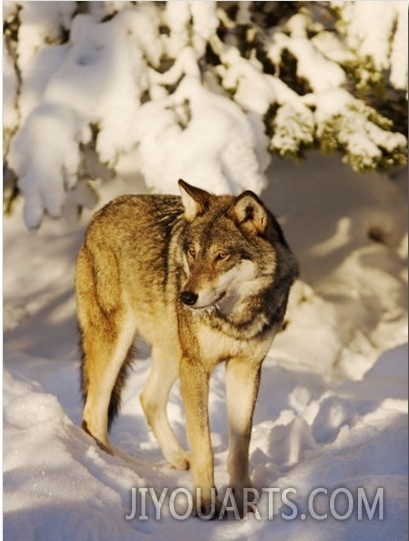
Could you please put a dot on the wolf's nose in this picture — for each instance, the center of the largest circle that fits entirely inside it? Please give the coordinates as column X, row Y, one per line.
column 188, row 297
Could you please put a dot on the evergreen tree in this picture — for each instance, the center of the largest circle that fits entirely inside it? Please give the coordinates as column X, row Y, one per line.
column 195, row 89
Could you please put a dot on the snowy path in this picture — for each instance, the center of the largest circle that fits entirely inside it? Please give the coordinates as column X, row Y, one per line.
column 332, row 412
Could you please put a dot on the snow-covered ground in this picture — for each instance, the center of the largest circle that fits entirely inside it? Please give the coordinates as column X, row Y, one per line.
column 332, row 411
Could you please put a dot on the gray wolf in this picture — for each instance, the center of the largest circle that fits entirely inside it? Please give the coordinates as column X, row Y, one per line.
column 204, row 279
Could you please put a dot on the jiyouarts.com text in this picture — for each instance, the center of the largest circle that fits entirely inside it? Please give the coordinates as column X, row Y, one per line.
column 267, row 503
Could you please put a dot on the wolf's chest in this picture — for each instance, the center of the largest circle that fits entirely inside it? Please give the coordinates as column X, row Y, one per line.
column 215, row 346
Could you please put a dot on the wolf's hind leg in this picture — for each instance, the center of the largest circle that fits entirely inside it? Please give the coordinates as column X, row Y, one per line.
column 154, row 399
column 104, row 358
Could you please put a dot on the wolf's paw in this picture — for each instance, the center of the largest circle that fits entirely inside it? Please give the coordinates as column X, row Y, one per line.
column 106, row 448
column 207, row 507
column 102, row 443
column 246, row 499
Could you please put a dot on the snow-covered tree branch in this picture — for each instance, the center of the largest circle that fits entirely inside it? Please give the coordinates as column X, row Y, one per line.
column 197, row 90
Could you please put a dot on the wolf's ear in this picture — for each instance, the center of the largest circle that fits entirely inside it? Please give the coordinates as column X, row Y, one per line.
column 249, row 212
column 194, row 200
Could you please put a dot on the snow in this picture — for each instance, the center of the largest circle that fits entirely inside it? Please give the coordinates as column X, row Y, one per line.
column 39, row 169
column 399, row 52
column 217, row 125
column 134, row 77
column 363, row 138
column 370, row 33
column 90, row 83
column 332, row 410
column 204, row 23
column 37, row 49
column 321, row 73
column 98, row 79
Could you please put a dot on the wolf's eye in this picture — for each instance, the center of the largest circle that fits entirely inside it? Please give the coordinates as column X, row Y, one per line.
column 222, row 256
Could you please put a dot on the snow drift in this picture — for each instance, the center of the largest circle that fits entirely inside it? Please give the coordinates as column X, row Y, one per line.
column 332, row 411
column 85, row 97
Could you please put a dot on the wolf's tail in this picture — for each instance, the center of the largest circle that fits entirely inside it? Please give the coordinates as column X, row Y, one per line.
column 115, row 401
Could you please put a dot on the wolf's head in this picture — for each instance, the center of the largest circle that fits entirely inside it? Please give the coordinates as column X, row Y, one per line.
column 232, row 250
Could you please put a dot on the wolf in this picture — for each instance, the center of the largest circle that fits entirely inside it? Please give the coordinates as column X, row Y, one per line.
column 204, row 279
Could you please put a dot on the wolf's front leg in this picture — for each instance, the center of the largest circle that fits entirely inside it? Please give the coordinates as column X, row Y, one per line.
column 154, row 399
column 194, row 385
column 242, row 383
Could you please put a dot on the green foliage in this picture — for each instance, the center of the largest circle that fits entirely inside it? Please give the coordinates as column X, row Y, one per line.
column 300, row 70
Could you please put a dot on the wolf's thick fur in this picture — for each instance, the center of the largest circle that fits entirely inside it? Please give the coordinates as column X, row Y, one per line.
column 202, row 278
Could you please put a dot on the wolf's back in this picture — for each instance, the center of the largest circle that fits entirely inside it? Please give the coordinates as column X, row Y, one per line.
column 125, row 250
